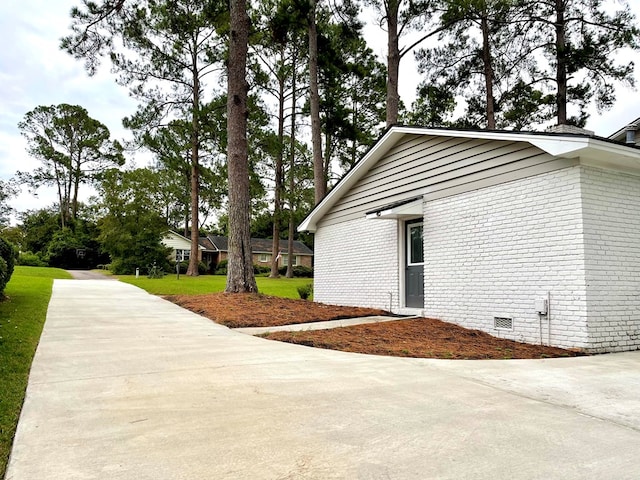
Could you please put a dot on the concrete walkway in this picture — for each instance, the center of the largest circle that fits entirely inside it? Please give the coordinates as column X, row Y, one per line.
column 301, row 327
column 125, row 385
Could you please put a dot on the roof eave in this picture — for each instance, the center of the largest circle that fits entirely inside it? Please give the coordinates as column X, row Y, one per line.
column 558, row 145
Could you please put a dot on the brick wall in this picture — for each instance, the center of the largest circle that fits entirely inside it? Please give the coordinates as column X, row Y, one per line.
column 611, row 203
column 356, row 263
column 493, row 252
column 573, row 234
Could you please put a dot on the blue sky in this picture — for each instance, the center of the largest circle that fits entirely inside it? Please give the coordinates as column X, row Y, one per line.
column 33, row 72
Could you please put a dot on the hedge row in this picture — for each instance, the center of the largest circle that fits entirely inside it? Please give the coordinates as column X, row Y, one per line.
column 298, row 271
column 8, row 256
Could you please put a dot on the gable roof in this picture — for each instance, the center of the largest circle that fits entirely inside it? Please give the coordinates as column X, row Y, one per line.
column 175, row 236
column 258, row 245
column 587, row 148
column 622, row 136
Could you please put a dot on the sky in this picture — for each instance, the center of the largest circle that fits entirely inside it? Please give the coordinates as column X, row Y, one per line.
column 34, row 71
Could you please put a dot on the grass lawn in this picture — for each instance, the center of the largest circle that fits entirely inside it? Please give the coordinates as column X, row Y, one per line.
column 169, row 285
column 22, row 316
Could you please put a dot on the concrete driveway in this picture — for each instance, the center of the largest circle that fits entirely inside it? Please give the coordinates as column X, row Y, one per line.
column 125, row 385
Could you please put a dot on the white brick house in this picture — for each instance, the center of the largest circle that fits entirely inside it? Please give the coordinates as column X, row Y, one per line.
column 532, row 237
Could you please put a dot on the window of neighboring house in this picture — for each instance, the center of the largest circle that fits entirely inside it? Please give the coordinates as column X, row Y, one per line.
column 183, row 255
column 264, row 258
column 285, row 260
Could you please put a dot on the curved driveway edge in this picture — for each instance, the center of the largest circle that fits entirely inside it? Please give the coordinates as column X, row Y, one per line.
column 125, row 385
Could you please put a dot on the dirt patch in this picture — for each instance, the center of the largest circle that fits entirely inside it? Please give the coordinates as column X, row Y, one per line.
column 423, row 338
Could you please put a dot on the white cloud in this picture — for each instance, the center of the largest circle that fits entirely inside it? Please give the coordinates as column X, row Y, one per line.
column 34, row 71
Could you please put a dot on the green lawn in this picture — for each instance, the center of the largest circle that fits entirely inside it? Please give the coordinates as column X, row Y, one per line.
column 170, row 285
column 22, row 316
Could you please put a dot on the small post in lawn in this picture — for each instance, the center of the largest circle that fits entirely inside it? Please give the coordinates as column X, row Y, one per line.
column 178, row 270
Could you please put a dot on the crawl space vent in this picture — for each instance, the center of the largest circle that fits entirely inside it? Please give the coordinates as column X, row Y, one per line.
column 503, row 323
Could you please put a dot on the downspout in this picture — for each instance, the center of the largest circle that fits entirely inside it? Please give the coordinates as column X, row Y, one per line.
column 540, row 327
column 549, row 318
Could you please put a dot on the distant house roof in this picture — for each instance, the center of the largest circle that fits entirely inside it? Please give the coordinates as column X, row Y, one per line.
column 206, row 243
column 217, row 242
column 628, row 134
column 258, row 245
column 174, row 240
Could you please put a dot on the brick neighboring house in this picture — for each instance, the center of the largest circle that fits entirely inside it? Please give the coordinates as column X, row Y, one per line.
column 533, row 237
column 214, row 248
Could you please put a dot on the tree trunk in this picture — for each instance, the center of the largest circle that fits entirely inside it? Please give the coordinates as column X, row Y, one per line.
column 488, row 71
column 292, row 182
column 277, row 208
column 60, row 196
column 67, row 192
column 292, row 230
column 319, row 179
column 561, row 60
column 76, row 186
column 393, row 61
column 192, row 270
column 187, row 206
column 240, row 277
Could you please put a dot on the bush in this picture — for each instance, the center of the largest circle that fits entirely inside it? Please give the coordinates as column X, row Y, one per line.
column 30, row 259
column 221, row 268
column 7, row 263
column 202, row 268
column 183, row 267
column 258, row 269
column 127, row 266
column 298, row 271
column 305, row 291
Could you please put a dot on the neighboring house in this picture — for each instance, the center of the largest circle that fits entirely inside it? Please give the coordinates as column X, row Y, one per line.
column 629, row 134
column 213, row 249
column 180, row 247
column 216, row 250
column 529, row 236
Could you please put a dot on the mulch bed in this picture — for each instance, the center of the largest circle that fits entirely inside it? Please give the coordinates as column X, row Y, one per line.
column 237, row 310
column 423, row 337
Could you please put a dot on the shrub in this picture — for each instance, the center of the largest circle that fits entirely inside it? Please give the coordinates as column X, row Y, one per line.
column 183, row 267
column 202, row 268
column 305, row 291
column 3, row 276
column 30, row 259
column 221, row 268
column 298, row 271
column 258, row 269
column 7, row 263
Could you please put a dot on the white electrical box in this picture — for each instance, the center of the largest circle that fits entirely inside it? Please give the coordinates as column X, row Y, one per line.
column 541, row 306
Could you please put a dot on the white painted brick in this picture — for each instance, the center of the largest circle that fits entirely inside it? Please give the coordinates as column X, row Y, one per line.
column 611, row 206
column 493, row 252
column 356, row 263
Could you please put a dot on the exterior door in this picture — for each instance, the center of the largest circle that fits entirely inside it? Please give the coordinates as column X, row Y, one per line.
column 414, row 271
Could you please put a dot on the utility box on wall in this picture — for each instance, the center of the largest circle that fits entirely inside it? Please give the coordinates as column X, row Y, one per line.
column 541, row 306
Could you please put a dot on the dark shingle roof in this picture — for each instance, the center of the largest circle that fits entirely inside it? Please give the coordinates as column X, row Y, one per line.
column 258, row 245
column 206, row 243
column 219, row 242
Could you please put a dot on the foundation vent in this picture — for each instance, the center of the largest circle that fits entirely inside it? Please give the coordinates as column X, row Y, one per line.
column 503, row 323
